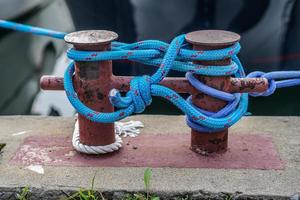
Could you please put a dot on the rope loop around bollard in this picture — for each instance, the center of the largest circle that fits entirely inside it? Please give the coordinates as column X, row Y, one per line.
column 142, row 88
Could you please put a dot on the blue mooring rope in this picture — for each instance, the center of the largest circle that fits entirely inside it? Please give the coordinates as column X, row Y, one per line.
column 176, row 56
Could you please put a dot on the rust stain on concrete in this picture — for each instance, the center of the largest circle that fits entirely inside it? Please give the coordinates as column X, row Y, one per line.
column 246, row 151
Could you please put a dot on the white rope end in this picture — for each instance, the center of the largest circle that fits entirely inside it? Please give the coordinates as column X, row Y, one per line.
column 131, row 128
column 123, row 129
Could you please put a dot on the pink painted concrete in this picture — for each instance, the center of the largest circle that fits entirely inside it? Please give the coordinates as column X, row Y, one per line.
column 245, row 152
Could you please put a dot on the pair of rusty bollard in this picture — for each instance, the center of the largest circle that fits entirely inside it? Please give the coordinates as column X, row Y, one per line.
column 94, row 80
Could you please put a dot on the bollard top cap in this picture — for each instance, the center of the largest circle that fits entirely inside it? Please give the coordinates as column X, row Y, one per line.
column 213, row 38
column 90, row 37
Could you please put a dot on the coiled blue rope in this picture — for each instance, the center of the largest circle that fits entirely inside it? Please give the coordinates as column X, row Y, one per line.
column 175, row 56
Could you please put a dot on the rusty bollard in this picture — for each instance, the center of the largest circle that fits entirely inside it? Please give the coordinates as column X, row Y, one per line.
column 216, row 142
column 94, row 80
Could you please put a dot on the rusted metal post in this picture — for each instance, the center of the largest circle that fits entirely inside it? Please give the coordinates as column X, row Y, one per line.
column 211, row 142
column 92, row 81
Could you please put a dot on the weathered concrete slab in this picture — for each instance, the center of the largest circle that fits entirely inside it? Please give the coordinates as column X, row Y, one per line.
column 284, row 133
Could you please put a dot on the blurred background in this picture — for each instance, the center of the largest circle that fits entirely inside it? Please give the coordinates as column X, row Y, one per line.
column 270, row 32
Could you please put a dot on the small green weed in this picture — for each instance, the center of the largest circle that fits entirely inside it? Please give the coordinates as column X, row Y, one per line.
column 228, row 197
column 147, row 183
column 86, row 194
column 25, row 193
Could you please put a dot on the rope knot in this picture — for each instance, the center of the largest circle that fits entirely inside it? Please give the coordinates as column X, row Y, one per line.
column 139, row 95
column 140, row 92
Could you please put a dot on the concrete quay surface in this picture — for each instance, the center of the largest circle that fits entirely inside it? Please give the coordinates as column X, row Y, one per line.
column 56, row 180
